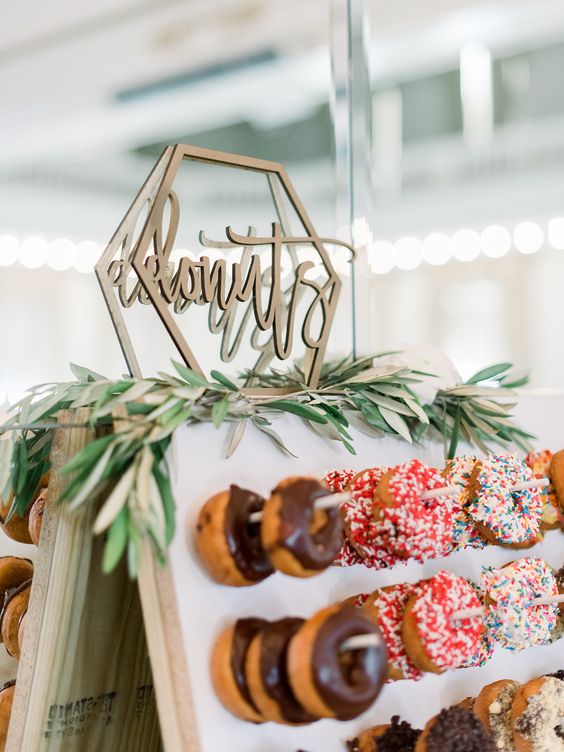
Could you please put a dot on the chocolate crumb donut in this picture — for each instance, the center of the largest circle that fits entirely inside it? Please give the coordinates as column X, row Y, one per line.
column 6, row 701
column 396, row 736
column 301, row 540
column 493, row 708
column 228, row 543
column 536, row 713
column 266, row 669
column 14, row 607
column 455, row 730
column 331, row 682
column 228, row 668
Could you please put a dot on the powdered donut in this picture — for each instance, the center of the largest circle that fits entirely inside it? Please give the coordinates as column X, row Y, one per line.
column 365, row 534
column 511, row 620
column 536, row 712
column 455, row 730
column 432, row 639
column 423, row 528
column 328, row 681
column 493, row 708
column 386, row 608
column 300, row 540
column 457, row 473
column 502, row 516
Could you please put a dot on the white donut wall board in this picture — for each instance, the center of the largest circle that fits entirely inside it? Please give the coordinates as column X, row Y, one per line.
column 204, row 608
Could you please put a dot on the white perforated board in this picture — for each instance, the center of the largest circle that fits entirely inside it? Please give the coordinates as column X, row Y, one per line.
column 205, row 607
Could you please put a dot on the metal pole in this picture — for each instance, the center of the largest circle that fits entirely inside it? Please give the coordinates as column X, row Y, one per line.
column 351, row 107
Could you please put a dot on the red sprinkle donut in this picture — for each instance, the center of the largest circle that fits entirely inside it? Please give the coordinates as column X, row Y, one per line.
column 364, row 533
column 386, row 608
column 433, row 640
column 338, row 480
column 423, row 528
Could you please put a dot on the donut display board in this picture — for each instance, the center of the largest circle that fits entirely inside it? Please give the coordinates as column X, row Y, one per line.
column 84, row 679
column 185, row 610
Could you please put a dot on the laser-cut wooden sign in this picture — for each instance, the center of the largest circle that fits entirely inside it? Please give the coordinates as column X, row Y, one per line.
column 137, row 267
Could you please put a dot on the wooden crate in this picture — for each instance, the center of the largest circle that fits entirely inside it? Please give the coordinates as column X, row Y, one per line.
column 84, row 680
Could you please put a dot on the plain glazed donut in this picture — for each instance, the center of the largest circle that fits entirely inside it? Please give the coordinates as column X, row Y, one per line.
column 299, row 539
column 557, row 477
column 36, row 517
column 493, row 708
column 540, row 465
column 503, row 517
column 422, row 528
column 386, row 608
column 455, row 730
column 13, row 571
column 228, row 543
column 432, row 639
column 266, row 669
column 13, row 609
column 6, row 702
column 228, row 668
column 330, row 682
column 536, row 713
column 510, row 589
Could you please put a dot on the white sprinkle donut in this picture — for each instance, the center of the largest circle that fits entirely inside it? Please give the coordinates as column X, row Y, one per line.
column 502, row 516
column 510, row 589
column 364, row 533
column 422, row 529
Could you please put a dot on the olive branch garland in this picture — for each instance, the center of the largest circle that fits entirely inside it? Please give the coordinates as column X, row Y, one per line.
column 130, row 467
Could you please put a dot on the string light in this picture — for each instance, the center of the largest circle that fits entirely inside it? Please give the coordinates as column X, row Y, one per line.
column 406, row 252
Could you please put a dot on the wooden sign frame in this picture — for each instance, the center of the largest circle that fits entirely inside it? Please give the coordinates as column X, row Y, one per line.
column 157, row 285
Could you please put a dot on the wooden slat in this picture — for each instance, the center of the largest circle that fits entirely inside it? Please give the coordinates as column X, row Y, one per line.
column 84, row 680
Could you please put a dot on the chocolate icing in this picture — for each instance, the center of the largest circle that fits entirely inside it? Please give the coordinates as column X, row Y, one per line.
column 347, row 681
column 244, row 632
column 458, row 730
column 274, row 641
column 8, row 684
column 243, row 537
column 317, row 550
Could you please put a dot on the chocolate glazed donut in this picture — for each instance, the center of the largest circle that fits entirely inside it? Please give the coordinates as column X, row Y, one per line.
column 331, row 682
column 300, row 540
column 228, row 668
column 267, row 674
column 229, row 545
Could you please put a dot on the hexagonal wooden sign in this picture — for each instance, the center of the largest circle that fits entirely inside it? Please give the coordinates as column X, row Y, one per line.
column 137, row 267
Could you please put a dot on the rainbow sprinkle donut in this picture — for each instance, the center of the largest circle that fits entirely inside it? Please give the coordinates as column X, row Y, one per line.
column 457, row 473
column 512, row 621
column 422, row 529
column 502, row 516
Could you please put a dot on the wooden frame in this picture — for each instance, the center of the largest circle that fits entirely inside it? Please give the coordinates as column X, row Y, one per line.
column 84, row 679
